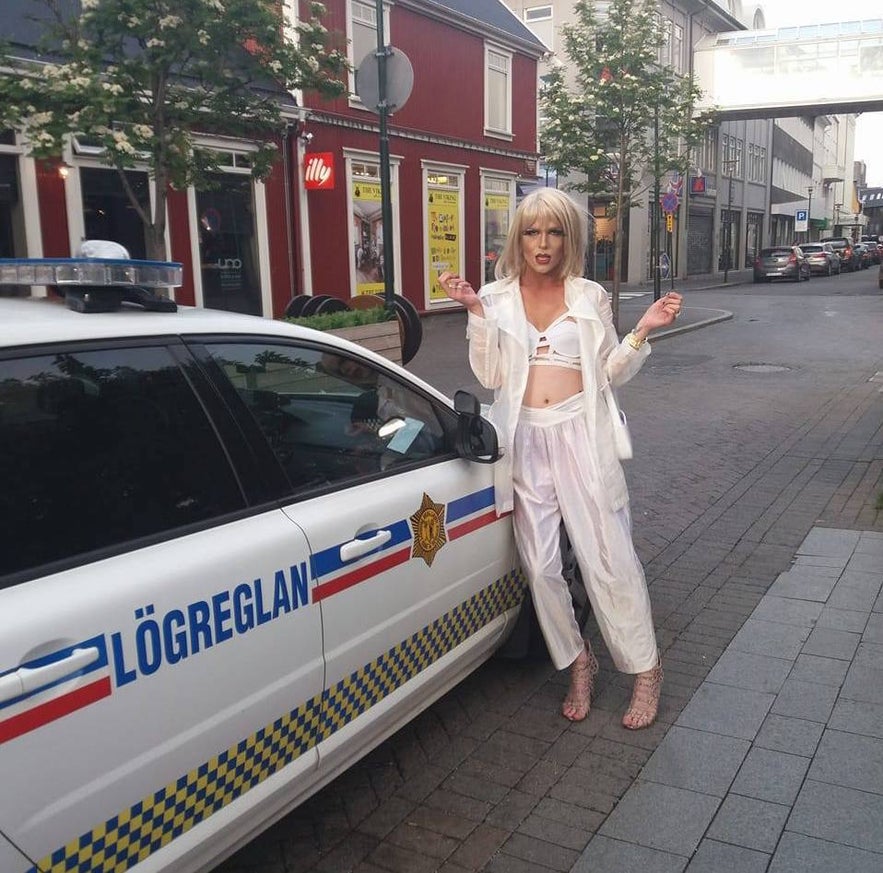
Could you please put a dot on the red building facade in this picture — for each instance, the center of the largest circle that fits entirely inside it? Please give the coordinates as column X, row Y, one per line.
column 459, row 148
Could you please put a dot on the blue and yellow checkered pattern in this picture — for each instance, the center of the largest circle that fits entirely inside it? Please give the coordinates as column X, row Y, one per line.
column 130, row 837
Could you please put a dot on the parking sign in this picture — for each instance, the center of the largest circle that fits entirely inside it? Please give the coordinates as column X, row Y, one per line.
column 800, row 220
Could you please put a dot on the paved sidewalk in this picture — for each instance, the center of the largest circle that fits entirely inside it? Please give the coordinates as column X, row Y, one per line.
column 776, row 763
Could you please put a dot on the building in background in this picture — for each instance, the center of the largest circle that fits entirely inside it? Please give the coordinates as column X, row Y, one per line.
column 460, row 147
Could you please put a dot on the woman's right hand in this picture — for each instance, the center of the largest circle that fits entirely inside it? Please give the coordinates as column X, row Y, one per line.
column 457, row 288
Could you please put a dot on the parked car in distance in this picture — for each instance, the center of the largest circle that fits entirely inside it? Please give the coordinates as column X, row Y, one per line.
column 822, row 258
column 874, row 247
column 781, row 262
column 880, row 275
column 843, row 245
column 864, row 255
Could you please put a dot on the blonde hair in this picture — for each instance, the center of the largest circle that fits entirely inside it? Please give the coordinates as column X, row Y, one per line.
column 546, row 203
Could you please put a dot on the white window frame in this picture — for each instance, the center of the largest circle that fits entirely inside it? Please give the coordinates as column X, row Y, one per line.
column 533, row 14
column 358, row 156
column 494, row 176
column 457, row 171
column 259, row 193
column 78, row 159
column 27, row 180
column 354, row 100
column 491, row 50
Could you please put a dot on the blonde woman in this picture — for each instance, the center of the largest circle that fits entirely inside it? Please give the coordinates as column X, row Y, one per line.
column 543, row 338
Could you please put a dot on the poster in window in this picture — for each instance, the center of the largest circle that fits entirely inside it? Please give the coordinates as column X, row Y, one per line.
column 496, row 228
column 367, row 237
column 444, row 238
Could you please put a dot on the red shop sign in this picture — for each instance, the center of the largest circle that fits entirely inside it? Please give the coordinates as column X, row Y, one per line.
column 319, row 171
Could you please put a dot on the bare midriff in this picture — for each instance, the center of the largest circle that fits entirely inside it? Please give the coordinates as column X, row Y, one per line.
column 547, row 384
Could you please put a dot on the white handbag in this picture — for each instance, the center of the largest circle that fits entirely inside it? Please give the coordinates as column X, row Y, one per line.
column 622, row 439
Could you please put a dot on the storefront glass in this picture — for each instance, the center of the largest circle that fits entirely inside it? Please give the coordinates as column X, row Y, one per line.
column 108, row 213
column 443, row 231
column 368, row 254
column 497, row 214
column 228, row 245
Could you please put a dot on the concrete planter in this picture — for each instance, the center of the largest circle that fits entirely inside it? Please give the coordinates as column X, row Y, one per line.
column 384, row 337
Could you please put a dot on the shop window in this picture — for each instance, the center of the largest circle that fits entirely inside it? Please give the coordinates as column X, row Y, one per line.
column 443, row 191
column 108, row 213
column 496, row 216
column 228, row 245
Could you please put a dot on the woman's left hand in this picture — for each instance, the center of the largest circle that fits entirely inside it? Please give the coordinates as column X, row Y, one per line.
column 662, row 312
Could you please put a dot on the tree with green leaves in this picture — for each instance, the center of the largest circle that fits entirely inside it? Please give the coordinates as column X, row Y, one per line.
column 143, row 79
column 603, row 107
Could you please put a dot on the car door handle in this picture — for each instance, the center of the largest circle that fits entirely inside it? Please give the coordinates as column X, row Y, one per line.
column 357, row 548
column 27, row 679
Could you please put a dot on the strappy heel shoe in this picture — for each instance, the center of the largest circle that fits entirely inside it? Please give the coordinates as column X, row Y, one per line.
column 645, row 700
column 582, row 683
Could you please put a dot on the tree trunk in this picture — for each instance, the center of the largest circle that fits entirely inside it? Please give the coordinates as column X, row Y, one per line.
column 617, row 242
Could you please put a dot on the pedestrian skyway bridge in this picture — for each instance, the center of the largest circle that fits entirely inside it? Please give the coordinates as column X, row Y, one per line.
column 807, row 69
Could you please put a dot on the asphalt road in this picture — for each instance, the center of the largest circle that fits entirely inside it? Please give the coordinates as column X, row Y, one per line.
column 747, row 433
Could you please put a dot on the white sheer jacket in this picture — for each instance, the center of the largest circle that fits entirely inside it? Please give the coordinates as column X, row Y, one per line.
column 498, row 351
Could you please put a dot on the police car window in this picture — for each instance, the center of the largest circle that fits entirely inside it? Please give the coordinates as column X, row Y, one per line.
column 328, row 417
column 98, row 448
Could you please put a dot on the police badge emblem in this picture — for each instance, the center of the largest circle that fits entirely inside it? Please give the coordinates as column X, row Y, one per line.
column 428, row 526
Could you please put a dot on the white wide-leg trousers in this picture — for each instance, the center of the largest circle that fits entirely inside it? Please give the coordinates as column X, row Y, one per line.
column 555, row 478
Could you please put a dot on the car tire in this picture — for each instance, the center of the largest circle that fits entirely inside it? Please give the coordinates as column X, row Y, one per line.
column 296, row 305
column 410, row 325
column 311, row 307
column 329, row 304
column 830, row 271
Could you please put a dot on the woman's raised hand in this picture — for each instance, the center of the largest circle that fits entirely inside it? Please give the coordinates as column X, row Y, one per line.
column 662, row 312
column 457, row 288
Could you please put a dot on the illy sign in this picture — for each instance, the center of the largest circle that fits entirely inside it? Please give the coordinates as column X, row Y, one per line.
column 319, row 171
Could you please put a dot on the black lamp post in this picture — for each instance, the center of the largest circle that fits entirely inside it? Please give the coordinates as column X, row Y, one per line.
column 809, row 213
column 729, row 168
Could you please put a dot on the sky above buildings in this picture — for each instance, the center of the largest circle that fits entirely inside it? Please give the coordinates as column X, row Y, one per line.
column 869, row 128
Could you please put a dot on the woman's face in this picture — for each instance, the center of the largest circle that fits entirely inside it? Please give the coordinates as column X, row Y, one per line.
column 542, row 246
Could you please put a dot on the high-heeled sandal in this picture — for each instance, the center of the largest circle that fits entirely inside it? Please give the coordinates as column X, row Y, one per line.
column 645, row 700
column 582, row 683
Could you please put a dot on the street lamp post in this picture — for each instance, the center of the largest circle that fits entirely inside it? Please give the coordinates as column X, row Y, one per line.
column 809, row 213
column 729, row 169
column 837, row 208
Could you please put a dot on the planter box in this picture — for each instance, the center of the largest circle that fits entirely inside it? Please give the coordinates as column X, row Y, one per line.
column 383, row 337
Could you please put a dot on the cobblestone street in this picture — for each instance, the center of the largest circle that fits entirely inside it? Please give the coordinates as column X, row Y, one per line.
column 752, row 434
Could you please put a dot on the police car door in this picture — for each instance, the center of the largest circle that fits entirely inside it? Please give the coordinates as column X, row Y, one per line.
column 159, row 655
column 412, row 568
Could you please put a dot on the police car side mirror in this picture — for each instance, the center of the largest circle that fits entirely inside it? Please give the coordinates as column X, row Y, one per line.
column 476, row 437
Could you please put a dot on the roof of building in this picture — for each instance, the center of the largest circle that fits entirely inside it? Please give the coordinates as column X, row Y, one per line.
column 492, row 16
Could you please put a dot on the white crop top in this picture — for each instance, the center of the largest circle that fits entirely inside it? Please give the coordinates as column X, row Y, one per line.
column 559, row 343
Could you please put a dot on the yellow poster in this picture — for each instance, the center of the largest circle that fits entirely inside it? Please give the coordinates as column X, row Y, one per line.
column 444, row 238
column 367, row 237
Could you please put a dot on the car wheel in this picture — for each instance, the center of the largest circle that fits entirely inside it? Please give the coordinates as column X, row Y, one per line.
column 410, row 325
column 329, row 304
column 296, row 305
column 830, row 271
column 311, row 307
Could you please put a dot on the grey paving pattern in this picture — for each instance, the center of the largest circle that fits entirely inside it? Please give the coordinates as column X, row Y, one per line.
column 754, row 509
column 803, row 781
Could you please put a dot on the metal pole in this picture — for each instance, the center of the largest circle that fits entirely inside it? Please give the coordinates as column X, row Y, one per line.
column 654, row 215
column 385, row 193
column 809, row 215
column 728, row 227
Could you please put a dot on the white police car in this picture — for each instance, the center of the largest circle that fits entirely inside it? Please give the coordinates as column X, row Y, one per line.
column 237, row 554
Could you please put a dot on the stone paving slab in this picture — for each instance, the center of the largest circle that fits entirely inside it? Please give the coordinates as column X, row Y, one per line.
column 776, row 762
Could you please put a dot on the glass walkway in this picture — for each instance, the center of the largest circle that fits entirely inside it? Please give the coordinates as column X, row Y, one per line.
column 804, row 69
